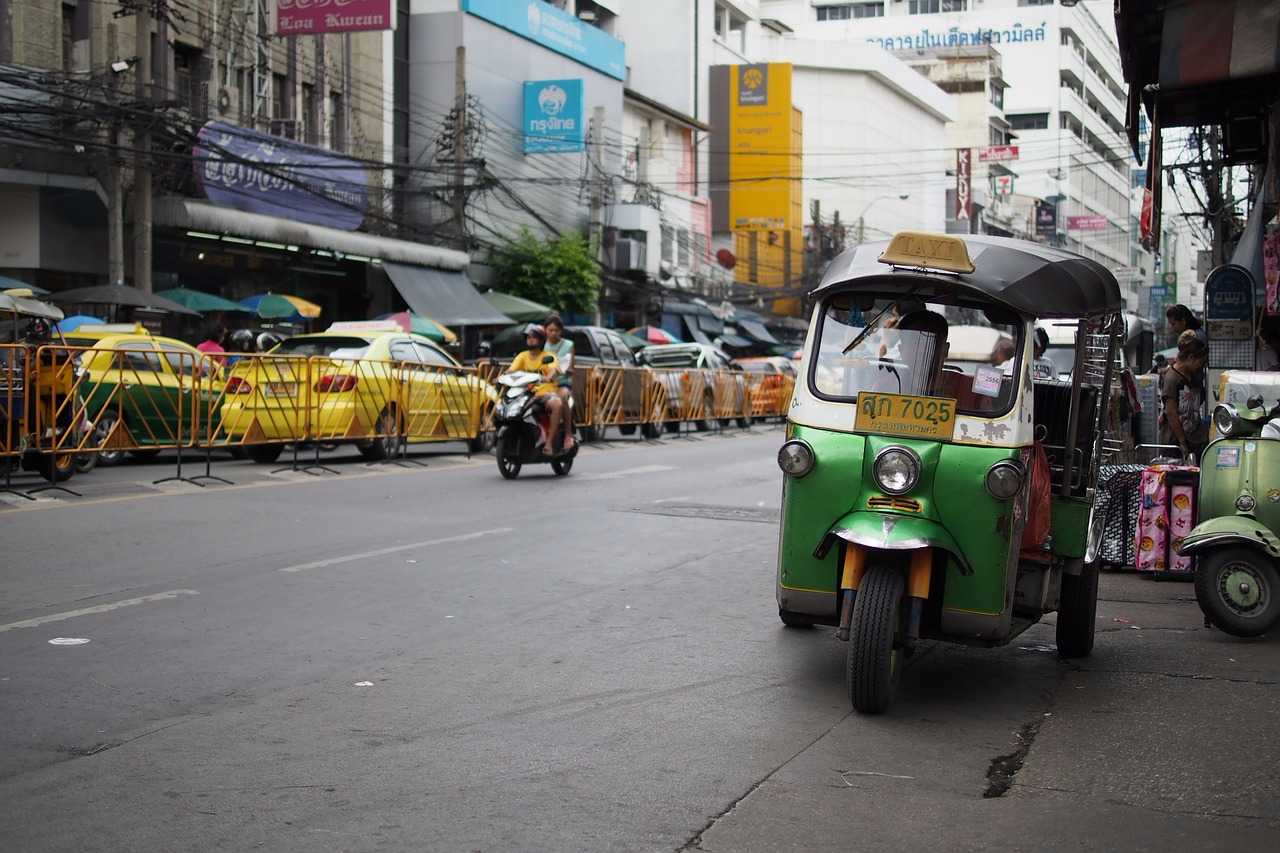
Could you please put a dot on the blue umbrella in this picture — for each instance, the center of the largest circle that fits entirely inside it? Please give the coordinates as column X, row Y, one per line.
column 75, row 321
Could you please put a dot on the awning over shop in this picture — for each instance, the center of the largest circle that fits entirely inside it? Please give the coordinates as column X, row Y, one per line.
column 756, row 329
column 710, row 324
column 517, row 307
column 209, row 220
column 444, row 296
column 731, row 340
column 698, row 335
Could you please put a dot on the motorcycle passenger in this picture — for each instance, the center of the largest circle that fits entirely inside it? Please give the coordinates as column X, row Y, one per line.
column 531, row 360
column 562, row 348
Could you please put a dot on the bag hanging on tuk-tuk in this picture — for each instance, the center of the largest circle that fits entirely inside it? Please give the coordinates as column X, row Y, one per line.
column 1036, row 531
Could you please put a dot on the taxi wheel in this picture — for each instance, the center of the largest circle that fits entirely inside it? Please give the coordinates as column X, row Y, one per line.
column 1077, row 609
column 264, row 454
column 389, row 443
column 875, row 661
column 627, row 429
column 650, row 431
column 101, row 429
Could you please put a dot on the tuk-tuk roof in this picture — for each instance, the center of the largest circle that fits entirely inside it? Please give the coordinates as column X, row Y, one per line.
column 27, row 306
column 1033, row 279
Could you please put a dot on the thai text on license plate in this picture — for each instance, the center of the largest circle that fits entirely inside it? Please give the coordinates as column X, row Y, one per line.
column 911, row 417
column 281, row 389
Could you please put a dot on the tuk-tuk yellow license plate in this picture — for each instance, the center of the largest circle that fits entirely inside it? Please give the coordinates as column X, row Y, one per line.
column 910, row 417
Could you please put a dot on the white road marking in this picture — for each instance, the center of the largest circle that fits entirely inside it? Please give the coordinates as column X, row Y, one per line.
column 68, row 641
column 97, row 608
column 627, row 472
column 674, row 500
column 351, row 558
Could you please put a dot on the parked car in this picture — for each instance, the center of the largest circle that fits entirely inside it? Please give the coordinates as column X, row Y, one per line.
column 140, row 387
column 679, row 366
column 355, row 394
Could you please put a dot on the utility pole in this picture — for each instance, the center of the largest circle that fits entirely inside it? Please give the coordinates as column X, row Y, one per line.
column 142, row 169
column 115, row 172
column 460, row 145
column 596, row 237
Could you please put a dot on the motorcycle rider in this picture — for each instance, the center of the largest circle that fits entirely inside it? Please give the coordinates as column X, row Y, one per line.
column 531, row 360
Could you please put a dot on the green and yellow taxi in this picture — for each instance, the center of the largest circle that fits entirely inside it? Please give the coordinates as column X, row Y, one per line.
column 927, row 498
column 367, row 383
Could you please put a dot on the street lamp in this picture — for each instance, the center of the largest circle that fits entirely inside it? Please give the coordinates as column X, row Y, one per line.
column 863, row 214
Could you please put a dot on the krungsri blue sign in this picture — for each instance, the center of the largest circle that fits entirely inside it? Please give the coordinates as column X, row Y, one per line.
column 546, row 25
column 552, row 116
column 257, row 173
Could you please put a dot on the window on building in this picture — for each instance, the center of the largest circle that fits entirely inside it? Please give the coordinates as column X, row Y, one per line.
column 337, row 123
column 68, row 37
column 847, row 11
column 999, row 136
column 933, row 7
column 668, row 244
column 1029, row 121
column 310, row 115
column 280, row 106
column 682, row 239
column 186, row 77
column 997, row 95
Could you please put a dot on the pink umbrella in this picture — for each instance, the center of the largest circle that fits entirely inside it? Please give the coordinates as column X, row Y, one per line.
column 654, row 335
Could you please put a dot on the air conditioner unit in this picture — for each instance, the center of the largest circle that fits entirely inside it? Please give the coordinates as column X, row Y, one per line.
column 629, row 255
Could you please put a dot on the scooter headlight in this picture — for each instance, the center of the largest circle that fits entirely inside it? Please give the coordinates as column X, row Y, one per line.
column 897, row 470
column 796, row 458
column 1004, row 479
column 1226, row 419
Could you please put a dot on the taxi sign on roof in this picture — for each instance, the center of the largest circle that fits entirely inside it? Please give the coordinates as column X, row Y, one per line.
column 931, row 251
column 366, row 326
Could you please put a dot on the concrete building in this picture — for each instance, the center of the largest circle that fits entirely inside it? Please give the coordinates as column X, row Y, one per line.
column 1065, row 105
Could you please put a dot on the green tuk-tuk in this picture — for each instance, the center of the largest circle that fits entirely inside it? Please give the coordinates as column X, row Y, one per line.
column 930, row 499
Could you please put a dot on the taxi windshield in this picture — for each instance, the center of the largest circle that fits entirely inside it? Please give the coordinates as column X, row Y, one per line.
column 908, row 348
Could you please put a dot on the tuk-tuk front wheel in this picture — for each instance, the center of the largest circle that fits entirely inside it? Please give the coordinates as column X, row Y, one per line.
column 56, row 467
column 1239, row 590
column 875, row 658
column 1077, row 612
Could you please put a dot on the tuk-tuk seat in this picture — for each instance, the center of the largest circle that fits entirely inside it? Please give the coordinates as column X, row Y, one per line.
column 1052, row 412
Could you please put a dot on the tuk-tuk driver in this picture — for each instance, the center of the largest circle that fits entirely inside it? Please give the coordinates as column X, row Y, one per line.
column 532, row 360
column 940, row 381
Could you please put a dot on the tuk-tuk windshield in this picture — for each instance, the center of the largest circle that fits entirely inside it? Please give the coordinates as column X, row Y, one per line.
column 903, row 348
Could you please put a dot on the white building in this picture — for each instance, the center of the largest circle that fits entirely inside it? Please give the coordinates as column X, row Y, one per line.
column 1065, row 103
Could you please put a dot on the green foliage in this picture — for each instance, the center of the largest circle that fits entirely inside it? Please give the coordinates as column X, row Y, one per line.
column 558, row 272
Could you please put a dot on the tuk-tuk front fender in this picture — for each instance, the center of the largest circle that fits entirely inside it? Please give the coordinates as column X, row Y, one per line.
column 891, row 532
column 1230, row 530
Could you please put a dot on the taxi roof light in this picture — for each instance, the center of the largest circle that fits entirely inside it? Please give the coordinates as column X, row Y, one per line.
column 919, row 249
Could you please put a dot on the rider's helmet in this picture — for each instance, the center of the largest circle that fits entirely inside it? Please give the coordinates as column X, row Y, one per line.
column 536, row 331
column 242, row 340
column 39, row 331
column 268, row 341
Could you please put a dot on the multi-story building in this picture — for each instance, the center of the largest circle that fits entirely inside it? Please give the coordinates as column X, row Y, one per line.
column 1065, row 105
column 225, row 91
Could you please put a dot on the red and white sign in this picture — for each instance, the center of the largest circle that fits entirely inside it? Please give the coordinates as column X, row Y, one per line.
column 313, row 17
column 1088, row 223
column 998, row 154
column 1002, row 185
column 964, row 190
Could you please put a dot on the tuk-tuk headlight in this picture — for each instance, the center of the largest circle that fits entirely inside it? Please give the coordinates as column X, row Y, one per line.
column 1226, row 419
column 897, row 470
column 796, row 458
column 1004, row 479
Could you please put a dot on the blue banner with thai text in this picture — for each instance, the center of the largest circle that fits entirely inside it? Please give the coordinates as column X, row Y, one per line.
column 553, row 116
column 546, row 25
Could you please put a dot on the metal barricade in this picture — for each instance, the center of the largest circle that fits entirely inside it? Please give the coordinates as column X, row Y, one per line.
column 13, row 434
column 729, row 397
column 696, row 396
column 616, row 396
column 255, row 404
column 442, row 403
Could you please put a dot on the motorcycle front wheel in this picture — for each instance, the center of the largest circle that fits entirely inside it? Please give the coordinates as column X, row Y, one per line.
column 509, row 454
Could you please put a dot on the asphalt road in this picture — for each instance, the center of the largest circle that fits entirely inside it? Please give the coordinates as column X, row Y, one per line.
column 435, row 659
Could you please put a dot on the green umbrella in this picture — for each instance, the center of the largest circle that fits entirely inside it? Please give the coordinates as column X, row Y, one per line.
column 198, row 300
column 517, row 307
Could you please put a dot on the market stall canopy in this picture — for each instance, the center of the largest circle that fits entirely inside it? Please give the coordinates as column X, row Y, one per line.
column 198, row 300
column 1031, row 278
column 755, row 329
column 120, row 294
column 201, row 219
column 7, row 283
column 446, row 297
column 279, row 306
column 517, row 307
column 419, row 325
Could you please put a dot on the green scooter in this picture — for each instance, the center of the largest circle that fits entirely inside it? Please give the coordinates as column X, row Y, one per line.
column 1237, row 542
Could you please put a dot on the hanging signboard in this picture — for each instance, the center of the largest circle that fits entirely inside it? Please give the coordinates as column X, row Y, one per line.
column 555, row 30
column 257, row 173
column 1002, row 185
column 1228, row 316
column 964, row 190
column 552, row 116
column 1046, row 220
column 998, row 154
column 1088, row 223
column 315, row 17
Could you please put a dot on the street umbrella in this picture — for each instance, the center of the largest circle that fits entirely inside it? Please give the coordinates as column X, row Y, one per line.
column 517, row 307
column 7, row 283
column 198, row 300
column 654, row 335
column 279, row 306
column 75, row 321
column 120, row 294
column 419, row 325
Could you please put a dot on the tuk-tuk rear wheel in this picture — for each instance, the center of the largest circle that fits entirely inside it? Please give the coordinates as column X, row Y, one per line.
column 56, row 467
column 1077, row 612
column 875, row 660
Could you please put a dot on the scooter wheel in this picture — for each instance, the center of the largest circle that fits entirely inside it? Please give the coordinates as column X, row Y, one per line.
column 1239, row 590
column 508, row 455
